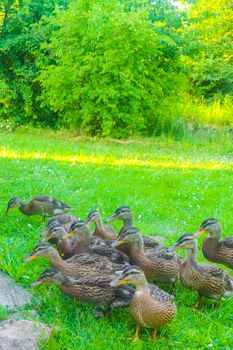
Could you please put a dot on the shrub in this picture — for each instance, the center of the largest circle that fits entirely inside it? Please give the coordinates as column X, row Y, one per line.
column 111, row 70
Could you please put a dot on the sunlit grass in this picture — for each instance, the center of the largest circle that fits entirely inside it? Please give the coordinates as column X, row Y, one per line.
column 167, row 200
column 111, row 160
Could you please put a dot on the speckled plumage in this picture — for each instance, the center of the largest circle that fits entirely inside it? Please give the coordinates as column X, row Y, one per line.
column 85, row 244
column 161, row 266
column 40, row 205
column 208, row 280
column 150, row 306
column 216, row 249
column 92, row 289
column 125, row 214
column 101, row 230
column 77, row 266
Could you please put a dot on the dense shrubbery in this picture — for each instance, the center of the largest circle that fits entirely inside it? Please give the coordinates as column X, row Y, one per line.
column 114, row 70
column 116, row 67
column 19, row 44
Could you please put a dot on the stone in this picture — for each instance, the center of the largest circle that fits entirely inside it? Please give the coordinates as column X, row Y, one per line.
column 22, row 335
column 12, row 294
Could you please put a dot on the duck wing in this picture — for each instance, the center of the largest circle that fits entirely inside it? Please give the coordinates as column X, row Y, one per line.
column 227, row 242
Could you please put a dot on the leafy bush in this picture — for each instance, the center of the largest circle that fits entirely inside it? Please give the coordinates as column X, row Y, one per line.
column 19, row 42
column 210, row 38
column 113, row 70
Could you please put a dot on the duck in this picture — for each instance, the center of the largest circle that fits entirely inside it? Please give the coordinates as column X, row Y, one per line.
column 162, row 266
column 39, row 205
column 79, row 265
column 84, row 243
column 56, row 234
column 125, row 214
column 150, row 308
column 101, row 230
column 94, row 289
column 63, row 220
column 207, row 280
column 214, row 249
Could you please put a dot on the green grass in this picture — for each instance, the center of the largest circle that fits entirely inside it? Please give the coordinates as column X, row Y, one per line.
column 171, row 186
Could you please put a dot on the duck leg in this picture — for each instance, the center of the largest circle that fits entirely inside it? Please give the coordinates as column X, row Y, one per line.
column 101, row 311
column 216, row 305
column 136, row 338
column 199, row 297
column 153, row 334
column 174, row 288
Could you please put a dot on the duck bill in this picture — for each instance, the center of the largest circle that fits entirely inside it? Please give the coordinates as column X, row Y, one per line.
column 116, row 243
column 8, row 211
column 36, row 283
column 111, row 218
column 118, row 282
column 29, row 258
column 69, row 235
column 201, row 232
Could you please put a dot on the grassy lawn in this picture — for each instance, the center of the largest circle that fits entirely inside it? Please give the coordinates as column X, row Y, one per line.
column 172, row 187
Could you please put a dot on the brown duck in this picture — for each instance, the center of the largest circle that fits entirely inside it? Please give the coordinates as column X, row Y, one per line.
column 84, row 243
column 93, row 289
column 214, row 249
column 208, row 280
column 125, row 214
column 161, row 266
column 149, row 307
column 77, row 266
column 101, row 230
column 64, row 220
column 56, row 234
column 40, row 205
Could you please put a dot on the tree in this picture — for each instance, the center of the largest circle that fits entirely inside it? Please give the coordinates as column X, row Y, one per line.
column 112, row 69
column 19, row 42
column 210, row 48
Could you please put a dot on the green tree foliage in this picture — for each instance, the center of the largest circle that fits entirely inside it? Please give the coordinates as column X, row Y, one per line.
column 113, row 69
column 116, row 67
column 209, row 38
column 19, row 42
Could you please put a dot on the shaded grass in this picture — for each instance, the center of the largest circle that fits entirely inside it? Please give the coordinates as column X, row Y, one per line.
column 166, row 201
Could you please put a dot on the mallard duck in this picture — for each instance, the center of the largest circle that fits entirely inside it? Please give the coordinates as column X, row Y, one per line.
column 56, row 234
column 214, row 249
column 101, row 230
column 151, row 310
column 161, row 266
column 64, row 221
column 93, row 289
column 79, row 265
column 97, row 246
column 208, row 280
column 40, row 205
column 125, row 214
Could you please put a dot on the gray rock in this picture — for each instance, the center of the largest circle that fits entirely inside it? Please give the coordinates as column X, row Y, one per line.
column 22, row 335
column 11, row 293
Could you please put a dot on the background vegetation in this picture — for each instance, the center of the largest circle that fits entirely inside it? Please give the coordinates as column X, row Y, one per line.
column 117, row 67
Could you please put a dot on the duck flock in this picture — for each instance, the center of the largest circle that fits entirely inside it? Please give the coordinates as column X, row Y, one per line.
column 111, row 270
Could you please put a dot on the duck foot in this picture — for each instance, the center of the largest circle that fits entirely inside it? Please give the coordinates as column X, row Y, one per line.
column 136, row 338
column 196, row 307
column 153, row 334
